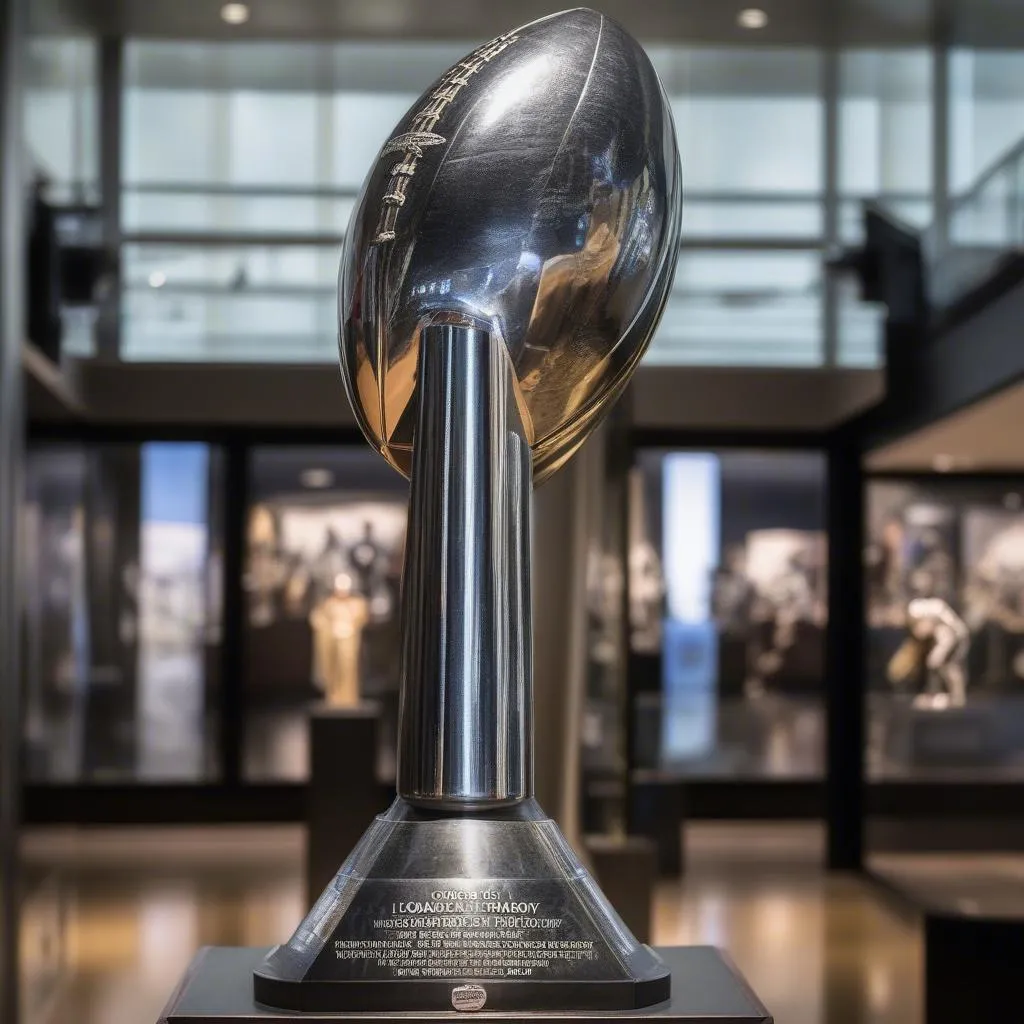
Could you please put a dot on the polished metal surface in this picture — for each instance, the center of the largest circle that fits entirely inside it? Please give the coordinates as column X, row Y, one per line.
column 464, row 722
column 520, row 850
column 504, row 270
column 535, row 187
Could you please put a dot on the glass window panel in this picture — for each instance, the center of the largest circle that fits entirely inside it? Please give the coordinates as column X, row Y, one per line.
column 61, row 115
column 961, row 543
column 986, row 100
column 751, row 144
column 122, row 611
column 167, row 211
column 235, row 267
column 742, row 308
column 218, row 211
column 247, row 303
column 172, row 135
column 885, row 136
column 727, row 612
column 248, row 328
column 748, row 120
column 730, row 218
column 272, row 138
column 885, row 121
column 325, row 541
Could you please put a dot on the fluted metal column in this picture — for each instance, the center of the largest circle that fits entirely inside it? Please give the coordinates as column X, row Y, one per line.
column 465, row 728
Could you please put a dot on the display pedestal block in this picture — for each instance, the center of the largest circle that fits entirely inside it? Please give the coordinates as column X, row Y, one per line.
column 972, row 968
column 925, row 736
column 626, row 870
column 706, row 989
column 344, row 793
column 659, row 809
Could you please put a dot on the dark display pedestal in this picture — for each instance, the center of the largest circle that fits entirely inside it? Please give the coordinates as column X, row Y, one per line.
column 344, row 793
column 658, row 812
column 626, row 870
column 706, row 989
column 952, row 736
column 972, row 968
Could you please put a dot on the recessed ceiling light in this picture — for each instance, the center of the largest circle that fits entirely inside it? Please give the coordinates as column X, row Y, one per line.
column 943, row 462
column 752, row 17
column 157, row 279
column 316, row 479
column 234, row 14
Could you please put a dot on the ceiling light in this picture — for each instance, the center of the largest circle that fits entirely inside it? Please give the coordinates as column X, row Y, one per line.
column 752, row 17
column 157, row 279
column 943, row 462
column 234, row 14
column 317, row 479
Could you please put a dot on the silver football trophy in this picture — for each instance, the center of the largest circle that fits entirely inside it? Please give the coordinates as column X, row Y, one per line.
column 505, row 267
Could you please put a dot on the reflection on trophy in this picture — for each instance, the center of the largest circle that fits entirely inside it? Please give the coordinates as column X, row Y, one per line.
column 504, row 269
column 937, row 647
column 337, row 623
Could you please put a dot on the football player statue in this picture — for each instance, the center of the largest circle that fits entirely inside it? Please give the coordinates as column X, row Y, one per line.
column 944, row 641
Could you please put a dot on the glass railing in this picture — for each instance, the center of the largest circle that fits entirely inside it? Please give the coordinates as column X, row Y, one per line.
column 985, row 231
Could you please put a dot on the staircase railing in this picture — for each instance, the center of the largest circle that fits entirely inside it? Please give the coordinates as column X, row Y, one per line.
column 983, row 234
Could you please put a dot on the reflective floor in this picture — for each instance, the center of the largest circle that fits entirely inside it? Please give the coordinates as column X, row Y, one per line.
column 991, row 884
column 113, row 917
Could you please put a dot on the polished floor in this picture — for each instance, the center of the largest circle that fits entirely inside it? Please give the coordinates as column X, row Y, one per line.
column 989, row 884
column 113, row 917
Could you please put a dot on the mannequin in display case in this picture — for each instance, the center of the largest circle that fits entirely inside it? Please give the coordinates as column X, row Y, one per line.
column 365, row 557
column 265, row 572
column 337, row 623
column 646, row 596
column 938, row 643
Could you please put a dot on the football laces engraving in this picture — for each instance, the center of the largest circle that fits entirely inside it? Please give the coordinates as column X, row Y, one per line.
column 412, row 144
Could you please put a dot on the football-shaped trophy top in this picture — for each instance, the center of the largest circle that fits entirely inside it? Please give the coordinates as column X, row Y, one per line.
column 533, row 190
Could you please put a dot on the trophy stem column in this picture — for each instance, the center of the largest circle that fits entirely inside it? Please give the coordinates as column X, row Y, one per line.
column 465, row 723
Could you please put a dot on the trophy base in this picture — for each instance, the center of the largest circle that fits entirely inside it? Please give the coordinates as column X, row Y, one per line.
column 437, row 912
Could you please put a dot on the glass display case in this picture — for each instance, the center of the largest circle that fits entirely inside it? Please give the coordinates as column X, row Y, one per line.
column 727, row 609
column 122, row 612
column 945, row 585
column 325, row 538
column 603, row 761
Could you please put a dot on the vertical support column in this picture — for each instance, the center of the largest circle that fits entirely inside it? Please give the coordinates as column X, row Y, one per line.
column 465, row 738
column 231, row 707
column 13, row 241
column 108, row 327
column 844, row 655
column 830, row 211
column 941, row 101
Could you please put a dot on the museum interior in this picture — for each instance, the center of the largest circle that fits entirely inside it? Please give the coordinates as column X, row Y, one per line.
column 778, row 595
